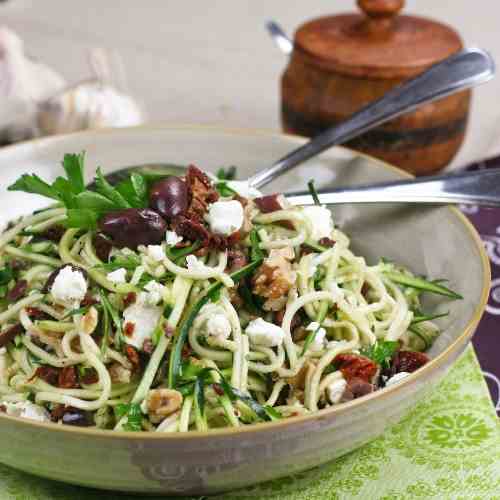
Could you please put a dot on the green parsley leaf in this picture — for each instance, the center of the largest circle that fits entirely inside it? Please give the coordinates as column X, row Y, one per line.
column 90, row 200
column 381, row 352
column 133, row 414
column 313, row 192
column 108, row 191
column 82, row 218
column 73, row 165
column 33, row 184
column 6, row 275
column 256, row 252
column 226, row 174
column 134, row 190
column 224, row 190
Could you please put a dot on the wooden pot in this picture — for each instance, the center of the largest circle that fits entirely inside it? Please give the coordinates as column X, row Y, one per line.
column 341, row 63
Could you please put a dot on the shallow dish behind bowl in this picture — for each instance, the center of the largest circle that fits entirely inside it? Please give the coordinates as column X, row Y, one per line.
column 438, row 242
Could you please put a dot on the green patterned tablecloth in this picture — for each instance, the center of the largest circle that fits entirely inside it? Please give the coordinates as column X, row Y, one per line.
column 447, row 448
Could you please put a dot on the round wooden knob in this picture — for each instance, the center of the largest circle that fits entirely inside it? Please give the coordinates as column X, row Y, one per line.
column 381, row 8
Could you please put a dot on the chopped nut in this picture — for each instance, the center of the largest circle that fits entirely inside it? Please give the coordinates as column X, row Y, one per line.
column 161, row 403
column 274, row 279
column 119, row 374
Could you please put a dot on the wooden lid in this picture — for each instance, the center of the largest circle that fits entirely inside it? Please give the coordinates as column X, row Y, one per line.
column 378, row 43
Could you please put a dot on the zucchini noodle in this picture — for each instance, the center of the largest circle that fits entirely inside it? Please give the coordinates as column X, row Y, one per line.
column 275, row 319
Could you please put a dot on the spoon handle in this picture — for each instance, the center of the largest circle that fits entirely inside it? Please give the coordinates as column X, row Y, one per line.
column 460, row 71
column 481, row 187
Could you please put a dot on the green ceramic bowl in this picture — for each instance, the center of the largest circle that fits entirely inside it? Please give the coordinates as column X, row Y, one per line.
column 432, row 241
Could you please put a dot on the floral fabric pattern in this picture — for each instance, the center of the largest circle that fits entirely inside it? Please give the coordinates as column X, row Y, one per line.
column 448, row 447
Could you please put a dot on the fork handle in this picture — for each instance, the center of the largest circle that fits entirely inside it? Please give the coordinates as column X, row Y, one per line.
column 481, row 187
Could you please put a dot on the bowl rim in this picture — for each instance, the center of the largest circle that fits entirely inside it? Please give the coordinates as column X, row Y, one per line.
column 433, row 365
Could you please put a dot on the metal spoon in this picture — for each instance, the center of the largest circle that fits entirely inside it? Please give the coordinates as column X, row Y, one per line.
column 465, row 69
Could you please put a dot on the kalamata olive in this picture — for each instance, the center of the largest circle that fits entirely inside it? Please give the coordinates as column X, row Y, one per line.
column 169, row 197
column 132, row 227
column 75, row 416
column 102, row 246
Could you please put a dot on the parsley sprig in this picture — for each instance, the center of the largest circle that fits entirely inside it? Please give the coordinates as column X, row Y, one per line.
column 84, row 206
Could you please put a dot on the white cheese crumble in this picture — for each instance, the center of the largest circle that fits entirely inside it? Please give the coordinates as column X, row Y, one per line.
column 26, row 409
column 155, row 293
column 117, row 276
column 173, row 238
column 261, row 332
column 218, row 326
column 335, row 390
column 396, row 378
column 144, row 317
column 225, row 217
column 155, row 252
column 321, row 221
column 319, row 341
column 69, row 287
column 244, row 189
column 194, row 264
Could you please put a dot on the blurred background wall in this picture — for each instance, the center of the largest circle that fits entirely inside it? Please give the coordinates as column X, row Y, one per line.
column 212, row 61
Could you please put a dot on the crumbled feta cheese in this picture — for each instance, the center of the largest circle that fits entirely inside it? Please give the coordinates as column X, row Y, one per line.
column 194, row 264
column 244, row 189
column 225, row 217
column 155, row 293
column 26, row 409
column 155, row 252
column 319, row 341
column 69, row 287
column 335, row 390
column 144, row 317
column 321, row 221
column 117, row 276
column 261, row 332
column 396, row 378
column 173, row 238
column 218, row 326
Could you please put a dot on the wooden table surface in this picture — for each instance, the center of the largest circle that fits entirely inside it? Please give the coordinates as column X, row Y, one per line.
column 212, row 62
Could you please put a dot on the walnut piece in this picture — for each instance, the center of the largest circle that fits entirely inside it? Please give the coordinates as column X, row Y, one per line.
column 161, row 403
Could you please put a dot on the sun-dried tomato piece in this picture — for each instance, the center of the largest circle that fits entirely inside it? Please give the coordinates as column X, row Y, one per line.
column 273, row 203
column 201, row 193
column 35, row 313
column 57, row 412
column 90, row 376
column 129, row 299
column 186, row 351
column 128, row 329
column 68, row 378
column 48, row 374
column 133, row 356
column 191, row 230
column 408, row 361
column 53, row 233
column 269, row 203
column 10, row 334
column 18, row 291
column 218, row 389
column 355, row 366
column 89, row 300
column 326, row 242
